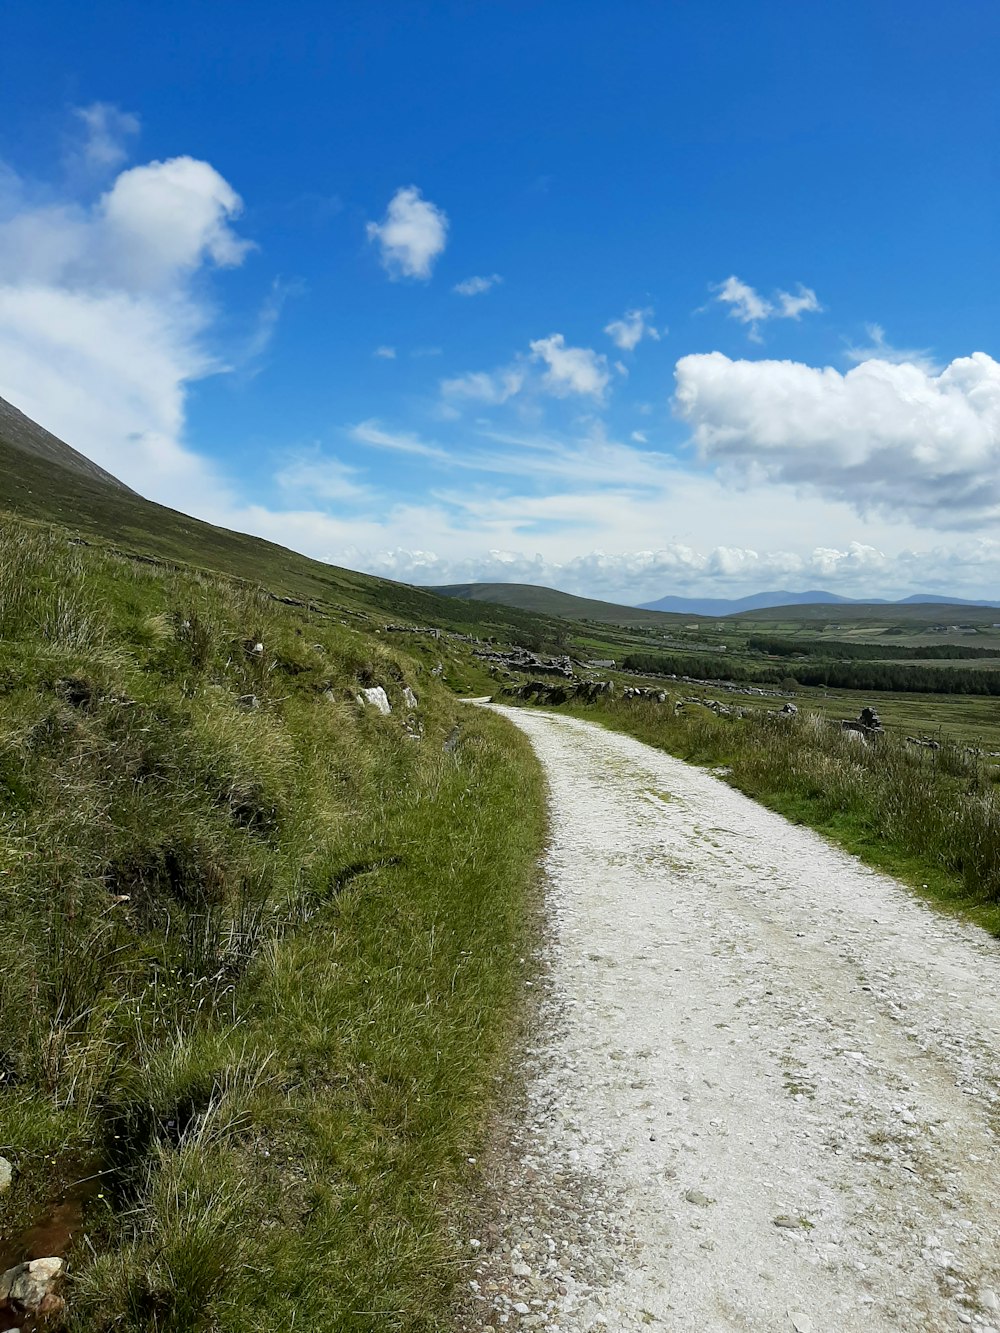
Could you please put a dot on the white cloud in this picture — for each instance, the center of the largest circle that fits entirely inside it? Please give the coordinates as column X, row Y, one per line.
column 372, row 433
column 386, row 353
column 476, row 286
column 481, row 386
column 321, row 477
column 803, row 302
column 889, row 438
column 411, row 236
column 571, row 370
column 853, row 570
column 101, row 326
column 880, row 349
column 639, row 437
column 748, row 306
column 630, row 330
column 164, row 220
column 156, row 225
column 107, row 131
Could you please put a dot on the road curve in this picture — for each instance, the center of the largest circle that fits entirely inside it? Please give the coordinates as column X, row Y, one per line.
column 766, row 1095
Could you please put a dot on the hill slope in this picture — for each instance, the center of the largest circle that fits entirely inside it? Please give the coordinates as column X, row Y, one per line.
column 552, row 602
column 43, row 478
column 20, row 432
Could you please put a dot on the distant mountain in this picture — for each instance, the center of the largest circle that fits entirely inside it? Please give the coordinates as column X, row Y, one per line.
column 28, row 437
column 762, row 601
column 731, row 606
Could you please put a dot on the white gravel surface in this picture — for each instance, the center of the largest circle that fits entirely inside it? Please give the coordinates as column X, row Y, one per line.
column 765, row 1090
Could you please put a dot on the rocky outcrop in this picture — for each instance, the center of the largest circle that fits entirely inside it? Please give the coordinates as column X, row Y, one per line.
column 520, row 659
column 6, row 1174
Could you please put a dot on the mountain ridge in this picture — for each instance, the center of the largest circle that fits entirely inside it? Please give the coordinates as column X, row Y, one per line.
column 20, row 432
column 764, row 601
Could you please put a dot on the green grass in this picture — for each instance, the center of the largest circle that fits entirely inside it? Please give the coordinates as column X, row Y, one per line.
column 262, row 946
column 932, row 818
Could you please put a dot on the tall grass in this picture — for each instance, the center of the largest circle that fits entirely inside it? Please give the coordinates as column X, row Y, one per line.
column 930, row 816
column 261, row 946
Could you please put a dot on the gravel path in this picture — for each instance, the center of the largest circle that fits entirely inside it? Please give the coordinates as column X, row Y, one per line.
column 765, row 1094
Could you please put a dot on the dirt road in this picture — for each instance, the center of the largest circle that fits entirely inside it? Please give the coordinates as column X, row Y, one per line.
column 766, row 1090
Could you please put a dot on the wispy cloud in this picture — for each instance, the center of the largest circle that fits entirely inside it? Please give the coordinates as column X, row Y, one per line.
column 372, row 433
column 108, row 132
column 385, row 353
column 879, row 349
column 481, row 386
column 477, row 286
column 321, row 477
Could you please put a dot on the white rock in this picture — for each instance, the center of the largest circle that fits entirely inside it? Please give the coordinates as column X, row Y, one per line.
column 521, row 1269
column 377, row 697
column 29, row 1284
column 988, row 1299
column 6, row 1174
column 800, row 1322
column 409, row 697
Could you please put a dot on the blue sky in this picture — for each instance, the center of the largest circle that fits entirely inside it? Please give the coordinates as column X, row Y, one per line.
column 629, row 299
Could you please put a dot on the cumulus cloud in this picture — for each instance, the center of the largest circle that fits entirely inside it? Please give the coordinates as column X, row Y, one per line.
column 571, row 370
column 629, row 331
column 101, row 326
column 883, row 437
column 411, row 236
column 477, row 286
column 854, row 570
column 748, row 306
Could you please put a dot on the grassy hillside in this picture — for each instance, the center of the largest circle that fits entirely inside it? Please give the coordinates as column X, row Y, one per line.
column 262, row 948
column 50, row 488
column 551, row 602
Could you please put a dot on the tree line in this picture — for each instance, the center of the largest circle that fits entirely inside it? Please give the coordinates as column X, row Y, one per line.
column 777, row 647
column 884, row 677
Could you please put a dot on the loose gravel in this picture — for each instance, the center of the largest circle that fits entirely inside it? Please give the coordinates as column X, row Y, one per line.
column 764, row 1090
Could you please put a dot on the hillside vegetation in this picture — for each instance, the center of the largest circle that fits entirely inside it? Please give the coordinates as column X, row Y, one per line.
column 262, row 944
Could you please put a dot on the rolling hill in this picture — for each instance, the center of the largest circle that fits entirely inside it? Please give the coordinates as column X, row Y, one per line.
column 552, row 602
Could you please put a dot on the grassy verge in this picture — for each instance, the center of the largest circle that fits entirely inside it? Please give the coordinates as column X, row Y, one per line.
column 262, row 947
column 930, row 817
